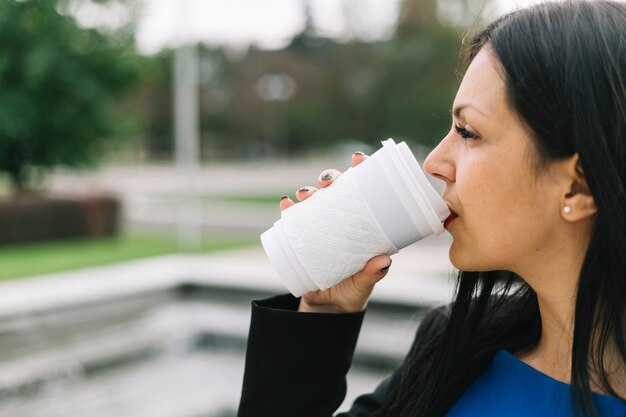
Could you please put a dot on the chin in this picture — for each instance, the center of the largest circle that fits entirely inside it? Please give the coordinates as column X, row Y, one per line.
column 456, row 259
column 464, row 260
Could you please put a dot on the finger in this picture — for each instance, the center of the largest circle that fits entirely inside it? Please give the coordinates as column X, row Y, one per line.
column 285, row 202
column 327, row 177
column 305, row 192
column 358, row 157
column 375, row 270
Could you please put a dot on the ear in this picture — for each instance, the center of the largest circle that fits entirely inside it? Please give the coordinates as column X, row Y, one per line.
column 576, row 194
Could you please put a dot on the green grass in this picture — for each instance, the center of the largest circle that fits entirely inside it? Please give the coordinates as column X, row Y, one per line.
column 42, row 258
column 244, row 199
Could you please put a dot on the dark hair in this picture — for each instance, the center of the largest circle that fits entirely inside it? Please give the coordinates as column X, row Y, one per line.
column 563, row 65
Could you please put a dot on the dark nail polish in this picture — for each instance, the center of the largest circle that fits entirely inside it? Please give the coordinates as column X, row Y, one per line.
column 385, row 269
column 303, row 190
column 284, row 197
column 326, row 176
column 359, row 153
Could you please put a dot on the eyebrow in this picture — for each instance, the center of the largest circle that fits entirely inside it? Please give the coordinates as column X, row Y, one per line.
column 457, row 110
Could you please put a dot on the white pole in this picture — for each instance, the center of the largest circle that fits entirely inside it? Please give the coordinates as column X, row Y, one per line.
column 187, row 139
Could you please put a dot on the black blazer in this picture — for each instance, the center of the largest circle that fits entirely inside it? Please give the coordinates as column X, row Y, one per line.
column 296, row 363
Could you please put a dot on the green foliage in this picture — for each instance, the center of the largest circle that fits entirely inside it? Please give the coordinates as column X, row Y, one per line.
column 402, row 88
column 419, row 86
column 58, row 82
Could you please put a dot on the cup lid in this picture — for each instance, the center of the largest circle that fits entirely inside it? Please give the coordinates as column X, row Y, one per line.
column 437, row 205
column 429, row 202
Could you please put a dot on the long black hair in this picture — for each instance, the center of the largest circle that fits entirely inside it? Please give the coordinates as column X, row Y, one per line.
column 564, row 66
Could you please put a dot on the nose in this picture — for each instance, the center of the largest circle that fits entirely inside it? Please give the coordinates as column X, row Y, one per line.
column 440, row 161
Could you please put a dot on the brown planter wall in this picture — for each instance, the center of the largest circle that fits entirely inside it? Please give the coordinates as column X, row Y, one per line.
column 33, row 219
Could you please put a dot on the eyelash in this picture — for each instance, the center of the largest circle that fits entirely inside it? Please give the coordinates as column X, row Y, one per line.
column 464, row 133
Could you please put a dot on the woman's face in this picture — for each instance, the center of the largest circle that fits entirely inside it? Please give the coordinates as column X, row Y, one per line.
column 508, row 205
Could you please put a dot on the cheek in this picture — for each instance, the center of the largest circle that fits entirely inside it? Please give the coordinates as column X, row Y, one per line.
column 485, row 190
column 502, row 214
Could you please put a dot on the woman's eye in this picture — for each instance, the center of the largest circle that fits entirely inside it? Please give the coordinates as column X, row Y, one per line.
column 464, row 133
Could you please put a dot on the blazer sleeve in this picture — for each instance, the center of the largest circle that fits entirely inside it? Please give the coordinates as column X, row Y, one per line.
column 430, row 326
column 296, row 363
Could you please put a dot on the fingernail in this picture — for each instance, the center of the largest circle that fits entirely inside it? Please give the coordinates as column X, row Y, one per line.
column 385, row 269
column 284, row 197
column 303, row 190
column 326, row 176
column 359, row 153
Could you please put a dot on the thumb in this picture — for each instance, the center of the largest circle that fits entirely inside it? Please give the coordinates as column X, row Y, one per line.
column 375, row 270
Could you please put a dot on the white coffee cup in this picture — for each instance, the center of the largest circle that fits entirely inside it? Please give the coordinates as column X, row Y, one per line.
column 378, row 207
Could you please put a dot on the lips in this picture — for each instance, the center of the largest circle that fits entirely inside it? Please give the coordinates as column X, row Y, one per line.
column 450, row 218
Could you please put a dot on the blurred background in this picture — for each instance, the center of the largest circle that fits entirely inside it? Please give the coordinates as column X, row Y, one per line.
column 144, row 145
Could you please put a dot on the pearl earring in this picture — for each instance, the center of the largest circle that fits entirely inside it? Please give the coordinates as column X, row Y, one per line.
column 567, row 209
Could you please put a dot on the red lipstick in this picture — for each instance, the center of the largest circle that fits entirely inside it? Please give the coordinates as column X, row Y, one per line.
column 449, row 219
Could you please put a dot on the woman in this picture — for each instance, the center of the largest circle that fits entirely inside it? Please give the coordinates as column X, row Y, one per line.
column 535, row 174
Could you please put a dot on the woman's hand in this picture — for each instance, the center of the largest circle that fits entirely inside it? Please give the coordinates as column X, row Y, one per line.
column 350, row 295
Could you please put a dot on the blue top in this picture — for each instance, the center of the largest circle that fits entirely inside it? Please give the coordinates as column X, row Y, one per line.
column 510, row 388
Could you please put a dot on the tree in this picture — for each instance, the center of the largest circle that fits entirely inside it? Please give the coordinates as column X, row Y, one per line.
column 58, row 84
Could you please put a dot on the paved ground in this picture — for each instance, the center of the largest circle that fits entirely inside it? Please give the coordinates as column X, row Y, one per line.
column 419, row 276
